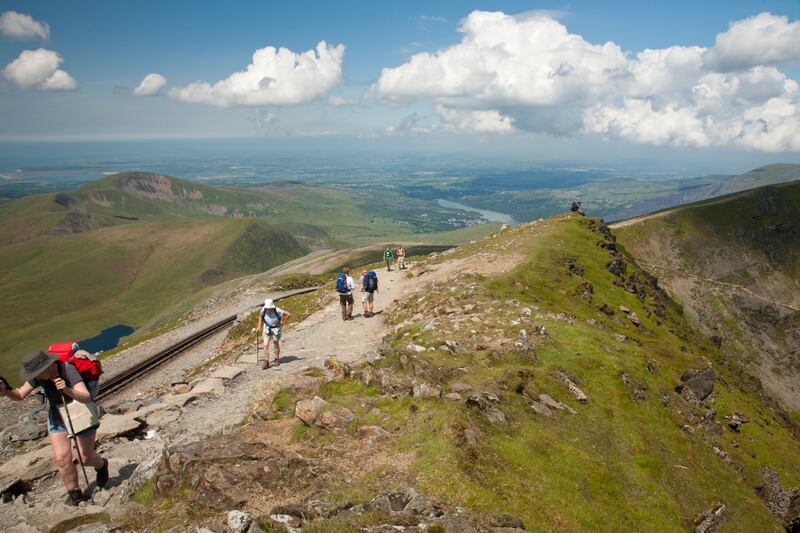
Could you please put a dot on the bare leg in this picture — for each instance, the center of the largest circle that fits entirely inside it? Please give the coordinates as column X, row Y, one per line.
column 277, row 352
column 266, row 352
column 62, row 455
column 88, row 453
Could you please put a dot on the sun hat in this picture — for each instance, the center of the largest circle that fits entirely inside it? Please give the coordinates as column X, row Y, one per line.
column 269, row 304
column 34, row 363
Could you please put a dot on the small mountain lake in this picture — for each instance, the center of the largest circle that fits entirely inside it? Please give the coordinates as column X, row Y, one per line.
column 491, row 216
column 107, row 339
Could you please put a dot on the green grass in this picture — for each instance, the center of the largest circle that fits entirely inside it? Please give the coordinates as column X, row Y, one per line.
column 620, row 464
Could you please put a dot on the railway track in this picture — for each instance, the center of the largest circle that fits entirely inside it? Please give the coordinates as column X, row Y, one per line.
column 124, row 378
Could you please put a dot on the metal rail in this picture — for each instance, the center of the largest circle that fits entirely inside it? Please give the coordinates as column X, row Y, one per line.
column 122, row 379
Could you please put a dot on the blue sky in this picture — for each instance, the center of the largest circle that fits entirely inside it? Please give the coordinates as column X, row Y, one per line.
column 108, row 47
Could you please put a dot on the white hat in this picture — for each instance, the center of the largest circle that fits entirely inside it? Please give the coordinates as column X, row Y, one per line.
column 269, row 304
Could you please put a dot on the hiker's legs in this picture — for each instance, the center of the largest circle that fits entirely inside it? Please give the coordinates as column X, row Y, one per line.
column 343, row 303
column 277, row 350
column 62, row 455
column 88, row 453
column 350, row 302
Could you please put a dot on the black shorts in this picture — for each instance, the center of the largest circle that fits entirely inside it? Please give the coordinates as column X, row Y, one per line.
column 346, row 299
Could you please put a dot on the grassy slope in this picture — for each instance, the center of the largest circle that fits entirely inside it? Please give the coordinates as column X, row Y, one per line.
column 750, row 239
column 154, row 251
column 620, row 464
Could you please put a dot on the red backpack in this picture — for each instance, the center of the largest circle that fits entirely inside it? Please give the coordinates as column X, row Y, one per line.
column 85, row 363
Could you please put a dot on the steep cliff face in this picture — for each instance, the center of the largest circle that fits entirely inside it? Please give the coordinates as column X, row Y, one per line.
column 733, row 263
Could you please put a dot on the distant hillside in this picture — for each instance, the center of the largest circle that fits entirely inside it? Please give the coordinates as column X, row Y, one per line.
column 734, row 263
column 697, row 189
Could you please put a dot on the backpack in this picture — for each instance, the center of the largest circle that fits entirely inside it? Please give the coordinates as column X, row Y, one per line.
column 371, row 282
column 85, row 363
column 341, row 284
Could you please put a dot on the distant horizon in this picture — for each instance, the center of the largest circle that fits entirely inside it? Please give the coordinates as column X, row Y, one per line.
column 584, row 80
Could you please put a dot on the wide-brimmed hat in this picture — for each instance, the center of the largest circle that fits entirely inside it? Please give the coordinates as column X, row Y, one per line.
column 269, row 304
column 35, row 363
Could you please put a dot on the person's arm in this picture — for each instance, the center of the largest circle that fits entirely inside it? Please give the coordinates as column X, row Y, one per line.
column 260, row 323
column 285, row 316
column 18, row 394
column 77, row 392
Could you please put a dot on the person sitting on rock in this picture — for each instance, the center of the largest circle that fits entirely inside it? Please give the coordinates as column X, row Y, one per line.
column 60, row 381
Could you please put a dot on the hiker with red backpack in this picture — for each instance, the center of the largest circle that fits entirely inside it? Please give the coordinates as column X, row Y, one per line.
column 369, row 286
column 87, row 365
column 71, row 414
column 344, row 287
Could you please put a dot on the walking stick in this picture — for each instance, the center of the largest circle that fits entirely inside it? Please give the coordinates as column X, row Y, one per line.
column 75, row 439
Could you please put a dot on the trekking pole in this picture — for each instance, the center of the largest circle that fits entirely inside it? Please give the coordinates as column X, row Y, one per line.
column 256, row 347
column 75, row 440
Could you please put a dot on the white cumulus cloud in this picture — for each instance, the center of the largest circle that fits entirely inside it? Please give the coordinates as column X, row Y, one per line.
column 274, row 77
column 764, row 39
column 529, row 73
column 151, row 85
column 21, row 26
column 39, row 69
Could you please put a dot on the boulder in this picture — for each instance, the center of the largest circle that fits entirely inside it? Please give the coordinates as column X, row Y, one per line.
column 699, row 382
column 25, row 430
column 113, row 426
column 573, row 389
column 375, row 432
column 227, row 372
column 710, row 520
column 162, row 417
column 493, row 414
column 239, row 521
column 128, row 407
column 522, row 343
column 29, row 466
column 308, row 410
column 735, row 421
column 213, row 386
column 180, row 400
column 541, row 409
column 338, row 418
column 552, row 403
column 426, row 390
column 453, row 397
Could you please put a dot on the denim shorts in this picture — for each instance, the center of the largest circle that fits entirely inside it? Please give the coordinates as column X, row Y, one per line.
column 56, row 425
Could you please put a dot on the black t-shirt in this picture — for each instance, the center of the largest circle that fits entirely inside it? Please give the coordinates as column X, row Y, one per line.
column 66, row 372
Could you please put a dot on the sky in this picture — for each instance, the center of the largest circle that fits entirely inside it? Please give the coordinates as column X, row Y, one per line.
column 695, row 80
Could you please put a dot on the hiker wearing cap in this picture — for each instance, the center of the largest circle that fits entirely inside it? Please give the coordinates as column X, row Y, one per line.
column 401, row 258
column 369, row 286
column 344, row 287
column 271, row 319
column 61, row 383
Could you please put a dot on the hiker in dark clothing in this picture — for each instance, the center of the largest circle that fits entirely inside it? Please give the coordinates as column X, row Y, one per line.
column 60, row 381
column 344, row 287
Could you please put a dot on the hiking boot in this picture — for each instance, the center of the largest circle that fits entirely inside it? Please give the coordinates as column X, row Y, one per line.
column 265, row 365
column 75, row 497
column 102, row 474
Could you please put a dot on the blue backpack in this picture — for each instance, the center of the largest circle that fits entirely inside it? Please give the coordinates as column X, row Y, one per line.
column 341, row 284
column 370, row 282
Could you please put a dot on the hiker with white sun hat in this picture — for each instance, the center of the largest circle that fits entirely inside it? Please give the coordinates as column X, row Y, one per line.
column 271, row 318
